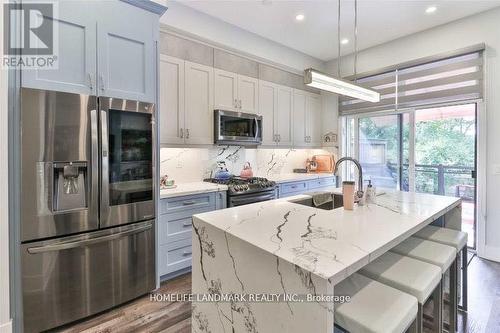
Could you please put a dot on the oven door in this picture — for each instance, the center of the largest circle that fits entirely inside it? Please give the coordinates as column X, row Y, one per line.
column 127, row 161
column 237, row 128
column 246, row 199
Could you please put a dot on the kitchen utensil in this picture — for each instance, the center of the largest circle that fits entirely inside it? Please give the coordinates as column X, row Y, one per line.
column 247, row 171
column 302, row 170
column 222, row 173
column 311, row 165
column 324, row 163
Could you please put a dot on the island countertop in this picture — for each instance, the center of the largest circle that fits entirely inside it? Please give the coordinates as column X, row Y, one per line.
column 331, row 244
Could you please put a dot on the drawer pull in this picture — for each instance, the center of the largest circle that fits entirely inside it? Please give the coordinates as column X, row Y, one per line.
column 186, row 224
column 189, row 203
column 294, row 186
column 187, row 253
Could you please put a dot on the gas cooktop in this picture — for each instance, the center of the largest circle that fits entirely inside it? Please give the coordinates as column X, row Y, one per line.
column 238, row 185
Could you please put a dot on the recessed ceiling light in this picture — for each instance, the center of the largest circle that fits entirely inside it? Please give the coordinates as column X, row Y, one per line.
column 300, row 17
column 344, row 41
column 431, row 9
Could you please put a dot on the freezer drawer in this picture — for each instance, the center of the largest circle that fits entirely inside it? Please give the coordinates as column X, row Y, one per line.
column 73, row 277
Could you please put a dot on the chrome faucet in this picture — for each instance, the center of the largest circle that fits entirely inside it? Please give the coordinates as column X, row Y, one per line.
column 359, row 193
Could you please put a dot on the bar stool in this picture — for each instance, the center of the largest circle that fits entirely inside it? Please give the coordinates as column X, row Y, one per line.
column 374, row 307
column 413, row 277
column 441, row 255
column 453, row 238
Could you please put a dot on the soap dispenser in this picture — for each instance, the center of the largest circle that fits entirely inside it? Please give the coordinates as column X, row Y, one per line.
column 370, row 192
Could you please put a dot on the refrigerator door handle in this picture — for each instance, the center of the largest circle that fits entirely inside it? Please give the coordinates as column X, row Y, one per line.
column 104, row 169
column 94, row 151
column 88, row 241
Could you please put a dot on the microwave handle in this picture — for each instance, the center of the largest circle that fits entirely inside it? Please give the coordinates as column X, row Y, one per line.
column 256, row 128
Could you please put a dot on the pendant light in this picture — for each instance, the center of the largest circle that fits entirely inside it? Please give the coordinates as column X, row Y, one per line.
column 322, row 81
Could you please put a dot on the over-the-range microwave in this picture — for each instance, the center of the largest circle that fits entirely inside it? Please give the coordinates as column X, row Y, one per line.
column 237, row 128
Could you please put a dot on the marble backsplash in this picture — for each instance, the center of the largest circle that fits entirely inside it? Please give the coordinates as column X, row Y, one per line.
column 195, row 164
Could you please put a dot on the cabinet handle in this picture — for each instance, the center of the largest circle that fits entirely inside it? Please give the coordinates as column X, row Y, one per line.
column 239, row 103
column 91, row 85
column 188, row 203
column 187, row 253
column 182, row 133
column 186, row 224
column 279, row 137
column 235, row 103
column 187, row 133
column 101, row 79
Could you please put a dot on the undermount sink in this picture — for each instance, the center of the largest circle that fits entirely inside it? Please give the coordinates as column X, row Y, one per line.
column 336, row 203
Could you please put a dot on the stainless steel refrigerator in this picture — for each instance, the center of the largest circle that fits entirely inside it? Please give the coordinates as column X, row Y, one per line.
column 87, row 205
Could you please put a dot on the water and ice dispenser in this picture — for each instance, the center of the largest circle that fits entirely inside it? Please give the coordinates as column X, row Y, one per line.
column 70, row 186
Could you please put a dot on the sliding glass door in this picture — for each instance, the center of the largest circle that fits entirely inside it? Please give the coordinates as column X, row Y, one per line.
column 429, row 150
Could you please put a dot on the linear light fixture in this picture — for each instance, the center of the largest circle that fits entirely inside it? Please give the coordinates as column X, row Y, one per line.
column 316, row 79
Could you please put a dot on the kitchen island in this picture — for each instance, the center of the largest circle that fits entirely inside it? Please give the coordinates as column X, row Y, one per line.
column 298, row 253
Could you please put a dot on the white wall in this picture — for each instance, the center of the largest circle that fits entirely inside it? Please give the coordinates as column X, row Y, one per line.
column 481, row 28
column 5, row 322
column 198, row 24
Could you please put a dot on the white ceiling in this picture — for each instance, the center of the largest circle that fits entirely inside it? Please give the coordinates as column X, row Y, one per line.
column 379, row 21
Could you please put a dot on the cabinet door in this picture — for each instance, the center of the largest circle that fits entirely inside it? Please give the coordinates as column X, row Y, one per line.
column 226, row 89
column 267, row 108
column 299, row 118
column 76, row 56
column 171, row 91
column 248, row 94
column 314, row 119
column 126, row 54
column 199, row 110
column 284, row 115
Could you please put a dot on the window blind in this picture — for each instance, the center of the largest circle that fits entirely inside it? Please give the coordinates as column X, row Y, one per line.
column 453, row 79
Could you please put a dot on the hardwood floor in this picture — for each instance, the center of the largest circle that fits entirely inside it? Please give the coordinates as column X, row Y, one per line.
column 143, row 315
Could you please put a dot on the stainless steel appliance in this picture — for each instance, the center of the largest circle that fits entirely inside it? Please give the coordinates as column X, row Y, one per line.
column 237, row 128
column 243, row 191
column 87, row 205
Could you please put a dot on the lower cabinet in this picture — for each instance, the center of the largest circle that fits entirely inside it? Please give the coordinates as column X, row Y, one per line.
column 175, row 229
column 299, row 187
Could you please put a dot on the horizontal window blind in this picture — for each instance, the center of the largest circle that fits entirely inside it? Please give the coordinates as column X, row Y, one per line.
column 455, row 79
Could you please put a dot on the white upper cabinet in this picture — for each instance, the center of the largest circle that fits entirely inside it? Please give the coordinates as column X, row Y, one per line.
column 236, row 92
column 199, row 104
column 171, row 90
column 306, row 119
column 283, row 119
column 248, row 94
column 268, row 104
column 275, row 106
column 76, row 70
column 314, row 127
column 299, row 118
column 106, row 48
column 126, row 52
column 226, row 90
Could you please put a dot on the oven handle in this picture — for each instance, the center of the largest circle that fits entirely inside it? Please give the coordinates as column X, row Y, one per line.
column 255, row 198
column 89, row 241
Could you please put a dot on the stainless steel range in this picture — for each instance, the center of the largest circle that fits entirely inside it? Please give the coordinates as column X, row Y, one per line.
column 243, row 191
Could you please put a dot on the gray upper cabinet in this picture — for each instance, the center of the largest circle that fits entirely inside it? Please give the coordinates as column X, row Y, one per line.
column 76, row 70
column 126, row 51
column 101, row 52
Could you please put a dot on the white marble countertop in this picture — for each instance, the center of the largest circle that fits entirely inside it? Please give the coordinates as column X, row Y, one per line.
column 295, row 177
column 191, row 188
column 332, row 244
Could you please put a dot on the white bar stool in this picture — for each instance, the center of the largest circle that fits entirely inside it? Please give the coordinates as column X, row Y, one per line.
column 438, row 254
column 456, row 239
column 374, row 307
column 413, row 277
